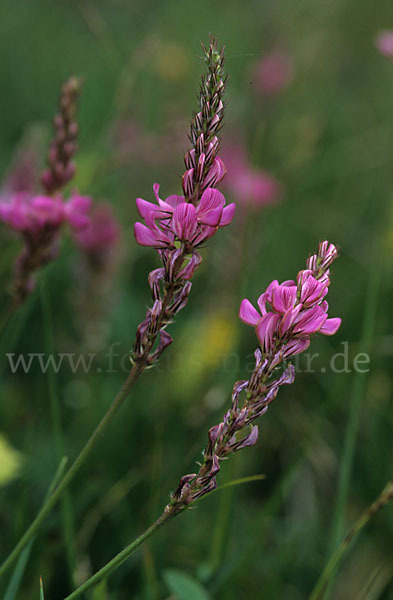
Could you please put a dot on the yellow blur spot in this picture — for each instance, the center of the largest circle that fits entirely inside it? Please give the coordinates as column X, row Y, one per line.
column 10, row 461
column 206, row 344
column 216, row 338
column 171, row 61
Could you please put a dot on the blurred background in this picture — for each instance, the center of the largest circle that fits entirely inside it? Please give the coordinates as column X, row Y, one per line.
column 308, row 146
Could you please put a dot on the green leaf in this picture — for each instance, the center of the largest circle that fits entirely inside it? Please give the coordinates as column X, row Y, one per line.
column 100, row 591
column 183, row 586
column 41, row 590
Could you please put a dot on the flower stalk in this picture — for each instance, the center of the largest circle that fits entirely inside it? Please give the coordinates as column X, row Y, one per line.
column 182, row 228
column 291, row 313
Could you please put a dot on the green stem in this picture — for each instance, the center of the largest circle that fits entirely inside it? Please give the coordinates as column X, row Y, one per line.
column 356, row 402
column 73, row 470
column 331, row 567
column 120, row 558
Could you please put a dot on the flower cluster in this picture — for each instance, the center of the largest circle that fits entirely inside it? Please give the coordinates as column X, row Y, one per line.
column 175, row 220
column 39, row 217
column 289, row 314
column 36, row 216
column 178, row 225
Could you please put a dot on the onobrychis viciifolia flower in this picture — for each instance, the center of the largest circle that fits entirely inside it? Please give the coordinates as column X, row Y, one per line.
column 39, row 217
column 289, row 314
column 177, row 226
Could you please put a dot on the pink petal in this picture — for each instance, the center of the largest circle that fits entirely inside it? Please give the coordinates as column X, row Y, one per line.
column 205, row 234
column 288, row 318
column 310, row 321
column 145, row 208
column 266, row 329
column 172, row 201
column 330, row 326
column 266, row 296
column 283, row 297
column 184, row 221
column 211, row 217
column 227, row 214
column 296, row 347
column 210, row 207
column 146, row 237
column 248, row 314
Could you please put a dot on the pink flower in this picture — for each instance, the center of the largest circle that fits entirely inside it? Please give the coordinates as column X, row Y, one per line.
column 273, row 73
column 101, row 233
column 384, row 42
column 290, row 313
column 32, row 214
column 77, row 210
column 174, row 219
column 253, row 187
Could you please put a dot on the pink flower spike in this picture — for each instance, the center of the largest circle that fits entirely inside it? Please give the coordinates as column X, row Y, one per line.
column 331, row 326
column 248, row 314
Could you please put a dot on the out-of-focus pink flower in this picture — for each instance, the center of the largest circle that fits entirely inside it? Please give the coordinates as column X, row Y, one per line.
column 289, row 313
column 102, row 232
column 253, row 187
column 273, row 73
column 384, row 42
column 77, row 211
column 31, row 214
column 175, row 220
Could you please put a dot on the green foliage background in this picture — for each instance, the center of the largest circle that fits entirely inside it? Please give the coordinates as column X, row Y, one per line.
column 328, row 139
